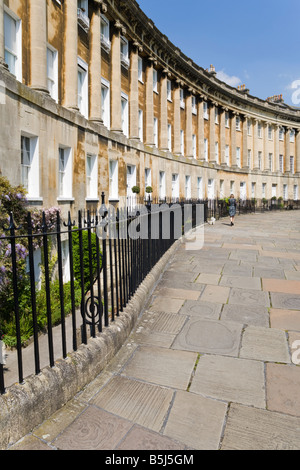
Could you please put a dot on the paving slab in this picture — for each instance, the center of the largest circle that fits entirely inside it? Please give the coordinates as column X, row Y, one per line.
column 250, row 428
column 178, row 293
column 196, row 421
column 208, row 278
column 268, row 273
column 166, row 304
column 265, row 344
column 218, row 294
column 285, row 319
column 285, row 301
column 138, row 402
column 201, row 309
column 237, row 270
column 241, row 282
column 248, row 297
column 139, row 438
column 283, row 385
column 230, row 379
column 94, row 429
column 162, row 366
column 209, row 336
column 256, row 315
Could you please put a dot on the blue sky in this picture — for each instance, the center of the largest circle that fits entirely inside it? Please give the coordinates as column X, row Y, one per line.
column 256, row 43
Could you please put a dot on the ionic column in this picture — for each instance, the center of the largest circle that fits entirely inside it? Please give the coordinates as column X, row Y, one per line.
column 2, row 54
column 222, row 136
column 212, row 134
column 164, row 111
column 201, row 131
column 116, row 109
column 255, row 145
column 134, row 94
column 189, row 126
column 38, row 45
column 95, row 66
column 245, row 143
column 149, row 104
column 177, row 124
column 70, row 98
column 233, row 140
column 297, row 168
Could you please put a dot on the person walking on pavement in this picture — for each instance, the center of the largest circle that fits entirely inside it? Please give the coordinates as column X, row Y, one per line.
column 232, row 208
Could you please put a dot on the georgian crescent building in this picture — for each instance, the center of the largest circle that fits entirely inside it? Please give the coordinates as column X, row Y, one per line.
column 93, row 97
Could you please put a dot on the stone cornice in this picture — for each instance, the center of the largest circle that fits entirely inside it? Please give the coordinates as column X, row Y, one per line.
column 182, row 68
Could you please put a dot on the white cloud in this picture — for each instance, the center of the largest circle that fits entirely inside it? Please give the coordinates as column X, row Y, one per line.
column 230, row 80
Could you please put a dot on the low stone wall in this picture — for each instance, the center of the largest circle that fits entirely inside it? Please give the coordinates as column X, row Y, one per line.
column 26, row 406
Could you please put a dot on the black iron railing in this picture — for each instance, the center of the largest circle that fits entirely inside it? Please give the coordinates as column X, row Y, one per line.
column 86, row 272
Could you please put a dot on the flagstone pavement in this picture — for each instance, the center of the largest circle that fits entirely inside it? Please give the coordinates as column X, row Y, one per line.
column 212, row 362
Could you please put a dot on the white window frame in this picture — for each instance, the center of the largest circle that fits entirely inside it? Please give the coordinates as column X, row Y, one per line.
column 91, row 177
column 83, row 93
column 210, row 188
column 182, row 102
column 205, row 111
column 259, row 159
column 155, row 132
column 125, row 114
column 194, row 144
column 188, row 187
column 216, row 115
column 113, row 180
column 175, row 186
column 182, row 142
column 217, row 152
column 17, row 53
column 65, row 173
column 148, row 181
column 155, row 81
column 140, row 69
column 162, row 184
column 194, row 105
column 30, row 165
column 270, row 132
column 253, row 190
column 249, row 126
column 238, row 123
column 227, row 155
column 170, row 137
column 169, row 90
column 130, row 180
column 281, row 164
column 281, row 133
column 227, row 119
column 249, row 158
column 263, row 189
column 270, row 161
column 285, row 192
column 52, row 78
column 259, row 130
column 105, row 102
column 295, row 192
column 200, row 187
column 206, row 150
column 292, row 136
column 238, row 157
column 292, row 164
column 141, row 125
column 124, row 44
column 105, row 34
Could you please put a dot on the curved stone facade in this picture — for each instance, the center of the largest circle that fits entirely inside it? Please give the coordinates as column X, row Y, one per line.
column 95, row 98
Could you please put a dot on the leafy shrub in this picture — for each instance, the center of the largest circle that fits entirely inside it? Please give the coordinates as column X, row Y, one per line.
column 86, row 256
